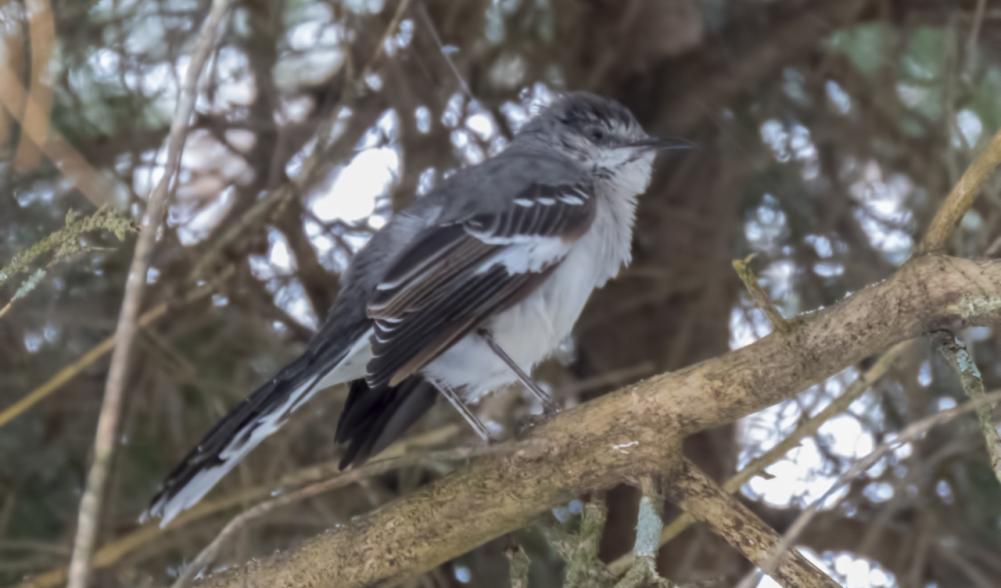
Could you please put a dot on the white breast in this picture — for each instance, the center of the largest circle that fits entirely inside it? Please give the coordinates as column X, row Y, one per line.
column 532, row 329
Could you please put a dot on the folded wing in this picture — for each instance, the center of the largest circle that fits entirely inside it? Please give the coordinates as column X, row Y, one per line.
column 456, row 275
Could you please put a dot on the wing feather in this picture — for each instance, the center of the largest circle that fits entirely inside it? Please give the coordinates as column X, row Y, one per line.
column 457, row 275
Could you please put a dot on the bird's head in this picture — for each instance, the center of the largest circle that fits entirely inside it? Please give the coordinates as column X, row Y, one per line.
column 600, row 133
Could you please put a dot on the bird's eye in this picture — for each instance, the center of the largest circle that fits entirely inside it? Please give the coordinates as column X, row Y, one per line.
column 596, row 133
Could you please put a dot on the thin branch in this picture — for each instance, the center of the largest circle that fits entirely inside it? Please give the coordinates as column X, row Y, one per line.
column 422, row 12
column 23, row 290
column 961, row 198
column 64, row 242
column 30, row 110
column 974, row 37
column 518, row 565
column 41, row 31
column 649, row 523
column 107, row 425
column 742, row 529
column 758, row 295
column 910, row 433
column 68, row 372
column 311, row 165
column 579, row 550
column 59, row 246
column 959, row 357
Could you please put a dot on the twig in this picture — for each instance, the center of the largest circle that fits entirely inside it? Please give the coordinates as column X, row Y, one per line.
column 961, row 198
column 67, row 373
column 64, row 242
column 994, row 248
column 518, row 565
column 919, row 552
column 759, row 296
column 310, row 165
column 959, row 357
column 58, row 246
column 41, row 31
column 608, row 379
column 909, row 433
column 104, row 439
column 978, row 22
column 369, row 470
column 23, row 290
column 742, row 529
column 579, row 550
column 649, row 523
column 30, row 108
column 422, row 11
column 394, row 23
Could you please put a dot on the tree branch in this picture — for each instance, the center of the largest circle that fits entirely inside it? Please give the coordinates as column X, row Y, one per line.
column 961, row 360
column 963, row 194
column 630, row 433
column 114, row 391
column 649, row 523
column 706, row 501
column 758, row 295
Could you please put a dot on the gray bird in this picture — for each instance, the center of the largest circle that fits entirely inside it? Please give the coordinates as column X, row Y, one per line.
column 461, row 293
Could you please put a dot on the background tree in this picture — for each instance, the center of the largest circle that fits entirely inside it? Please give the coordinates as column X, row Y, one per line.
column 829, row 131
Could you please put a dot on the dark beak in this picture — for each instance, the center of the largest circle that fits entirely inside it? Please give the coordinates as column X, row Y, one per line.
column 659, row 144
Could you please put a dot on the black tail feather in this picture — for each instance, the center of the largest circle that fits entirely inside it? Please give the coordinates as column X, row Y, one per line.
column 222, row 447
column 372, row 419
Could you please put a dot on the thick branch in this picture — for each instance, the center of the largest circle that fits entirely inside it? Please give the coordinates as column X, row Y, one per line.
column 630, row 432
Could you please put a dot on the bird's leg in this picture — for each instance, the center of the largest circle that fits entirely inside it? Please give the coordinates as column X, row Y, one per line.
column 470, row 417
column 548, row 406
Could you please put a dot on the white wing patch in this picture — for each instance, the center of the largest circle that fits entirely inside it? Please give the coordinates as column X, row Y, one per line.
column 525, row 253
column 572, row 199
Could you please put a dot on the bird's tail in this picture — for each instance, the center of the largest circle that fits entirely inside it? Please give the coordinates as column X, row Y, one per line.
column 249, row 423
column 372, row 419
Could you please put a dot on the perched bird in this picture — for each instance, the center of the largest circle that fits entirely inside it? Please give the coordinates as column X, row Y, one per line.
column 461, row 293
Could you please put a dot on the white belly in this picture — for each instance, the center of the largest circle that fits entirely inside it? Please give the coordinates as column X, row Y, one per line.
column 532, row 329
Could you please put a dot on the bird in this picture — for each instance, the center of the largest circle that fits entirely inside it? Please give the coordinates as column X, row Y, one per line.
column 459, row 294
